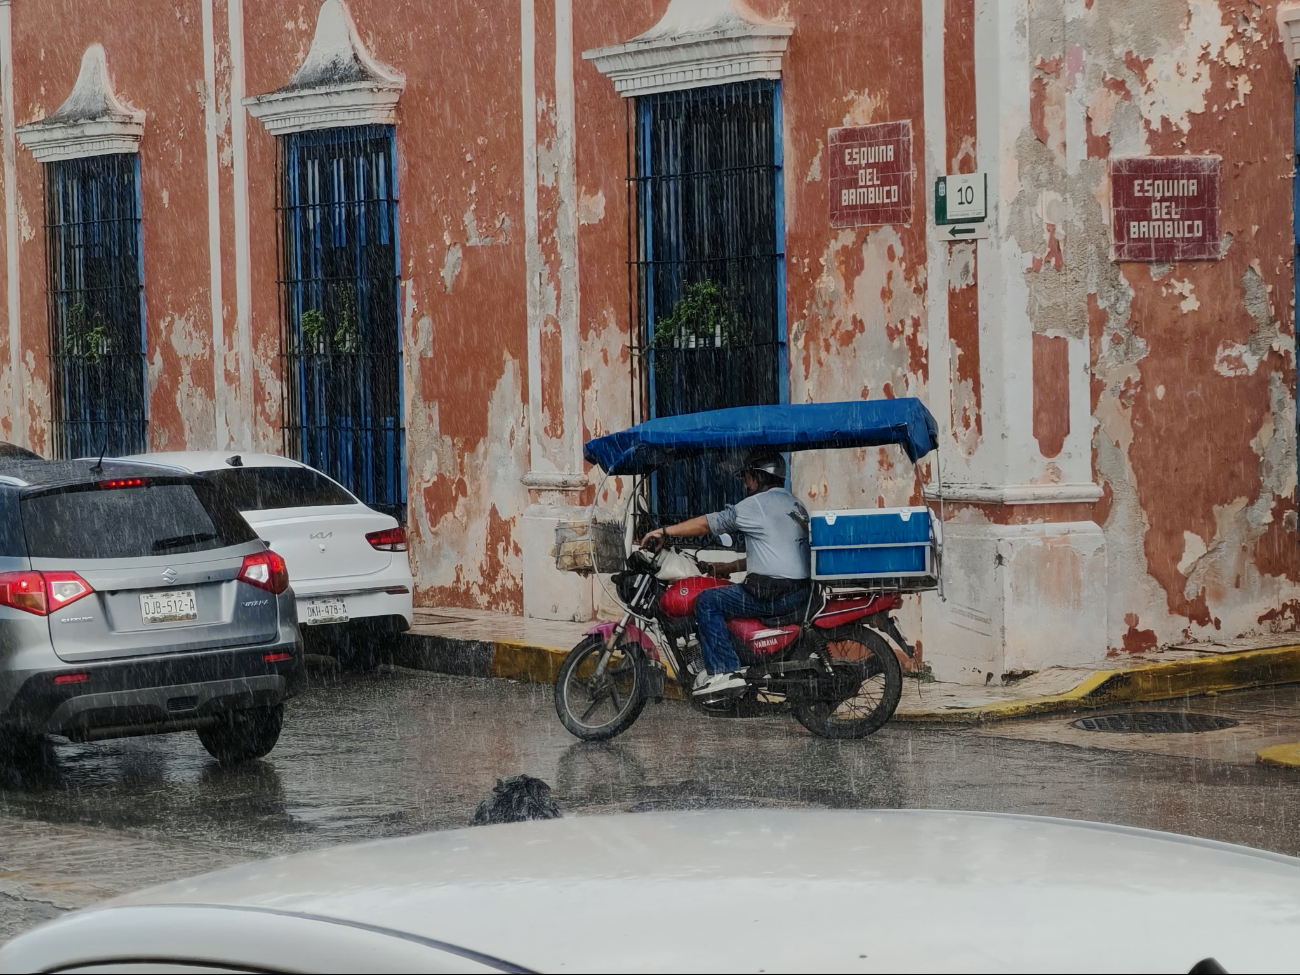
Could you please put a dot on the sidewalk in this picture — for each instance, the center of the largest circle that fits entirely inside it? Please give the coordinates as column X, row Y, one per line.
column 476, row 643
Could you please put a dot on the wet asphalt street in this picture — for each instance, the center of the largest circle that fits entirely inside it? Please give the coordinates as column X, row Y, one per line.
column 398, row 752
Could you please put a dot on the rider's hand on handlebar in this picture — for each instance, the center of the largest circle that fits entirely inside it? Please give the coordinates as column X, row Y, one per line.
column 653, row 541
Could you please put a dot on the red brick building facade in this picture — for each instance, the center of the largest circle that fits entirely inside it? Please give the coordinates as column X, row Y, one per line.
column 399, row 240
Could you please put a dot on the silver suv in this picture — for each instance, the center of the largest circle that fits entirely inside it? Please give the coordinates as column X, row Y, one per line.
column 135, row 601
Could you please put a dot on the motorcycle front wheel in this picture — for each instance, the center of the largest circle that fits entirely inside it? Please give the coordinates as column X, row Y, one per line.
column 598, row 707
column 871, row 676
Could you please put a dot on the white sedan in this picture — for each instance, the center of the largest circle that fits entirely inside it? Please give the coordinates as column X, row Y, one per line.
column 733, row 891
column 347, row 562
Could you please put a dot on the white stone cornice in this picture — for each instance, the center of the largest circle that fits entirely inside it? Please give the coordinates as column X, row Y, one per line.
column 1288, row 25
column 92, row 122
column 1017, row 493
column 696, row 43
column 555, row 480
column 339, row 83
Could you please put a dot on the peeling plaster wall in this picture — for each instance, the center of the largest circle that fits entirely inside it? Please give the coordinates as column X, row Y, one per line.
column 49, row 39
column 1193, row 365
column 855, row 297
column 1172, row 387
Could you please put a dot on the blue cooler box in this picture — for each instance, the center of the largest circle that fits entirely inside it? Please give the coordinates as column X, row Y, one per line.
column 874, row 544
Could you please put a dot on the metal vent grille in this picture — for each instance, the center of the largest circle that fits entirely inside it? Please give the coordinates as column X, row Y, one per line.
column 1154, row 723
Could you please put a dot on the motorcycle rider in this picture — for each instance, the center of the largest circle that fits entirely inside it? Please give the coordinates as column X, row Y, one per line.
column 778, row 560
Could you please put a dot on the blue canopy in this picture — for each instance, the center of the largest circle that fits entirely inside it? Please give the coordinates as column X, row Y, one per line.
column 807, row 426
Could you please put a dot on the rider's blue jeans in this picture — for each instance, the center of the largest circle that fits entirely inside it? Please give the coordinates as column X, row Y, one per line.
column 716, row 606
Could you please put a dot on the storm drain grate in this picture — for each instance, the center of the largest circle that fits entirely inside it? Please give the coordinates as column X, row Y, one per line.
column 1154, row 723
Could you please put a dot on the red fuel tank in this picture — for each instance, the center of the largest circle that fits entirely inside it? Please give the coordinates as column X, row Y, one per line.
column 679, row 599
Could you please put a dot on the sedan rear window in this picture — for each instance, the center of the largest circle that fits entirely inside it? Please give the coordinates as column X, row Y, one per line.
column 156, row 518
column 262, row 488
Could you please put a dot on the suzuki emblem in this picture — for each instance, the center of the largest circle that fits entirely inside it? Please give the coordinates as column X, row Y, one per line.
column 169, row 575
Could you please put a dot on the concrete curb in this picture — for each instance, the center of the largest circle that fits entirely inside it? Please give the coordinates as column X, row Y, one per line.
column 519, row 660
column 1132, row 685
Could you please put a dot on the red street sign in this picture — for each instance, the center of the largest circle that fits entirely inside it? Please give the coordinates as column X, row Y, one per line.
column 1165, row 208
column 871, row 174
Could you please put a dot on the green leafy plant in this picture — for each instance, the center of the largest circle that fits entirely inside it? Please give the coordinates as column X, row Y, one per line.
column 345, row 333
column 922, row 674
column 86, row 335
column 704, row 311
column 312, row 325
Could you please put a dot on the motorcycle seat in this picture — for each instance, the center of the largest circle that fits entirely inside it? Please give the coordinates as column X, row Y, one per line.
column 788, row 619
column 799, row 615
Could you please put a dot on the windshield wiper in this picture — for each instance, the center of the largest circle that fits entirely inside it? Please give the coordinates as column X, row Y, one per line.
column 191, row 539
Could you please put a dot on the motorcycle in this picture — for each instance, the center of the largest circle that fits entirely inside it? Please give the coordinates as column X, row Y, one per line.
column 829, row 664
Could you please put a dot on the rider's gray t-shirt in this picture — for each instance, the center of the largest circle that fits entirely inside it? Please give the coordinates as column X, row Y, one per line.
column 775, row 526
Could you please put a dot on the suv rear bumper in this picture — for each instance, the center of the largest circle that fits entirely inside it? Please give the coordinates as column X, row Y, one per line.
column 153, row 695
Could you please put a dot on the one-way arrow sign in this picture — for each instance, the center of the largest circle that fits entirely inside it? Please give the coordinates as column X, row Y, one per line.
column 963, row 231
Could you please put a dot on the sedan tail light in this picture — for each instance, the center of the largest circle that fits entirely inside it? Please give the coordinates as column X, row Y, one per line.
column 266, row 570
column 388, row 540
column 41, row 593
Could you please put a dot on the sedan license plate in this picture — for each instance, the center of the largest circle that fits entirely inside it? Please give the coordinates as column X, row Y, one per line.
column 175, row 606
column 326, row 611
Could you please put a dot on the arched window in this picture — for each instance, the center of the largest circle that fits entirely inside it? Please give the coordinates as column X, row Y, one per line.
column 94, row 266
column 342, row 357
column 341, row 350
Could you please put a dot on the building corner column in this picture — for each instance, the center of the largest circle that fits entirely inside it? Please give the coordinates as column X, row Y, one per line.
column 17, row 388
column 244, row 437
column 555, row 480
column 1017, row 597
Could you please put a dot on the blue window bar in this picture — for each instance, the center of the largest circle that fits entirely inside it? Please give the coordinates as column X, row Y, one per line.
column 708, row 269
column 341, row 338
column 95, row 295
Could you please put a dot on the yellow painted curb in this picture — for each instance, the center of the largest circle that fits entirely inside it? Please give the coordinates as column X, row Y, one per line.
column 1287, row 755
column 541, row 665
column 517, row 660
column 1143, row 682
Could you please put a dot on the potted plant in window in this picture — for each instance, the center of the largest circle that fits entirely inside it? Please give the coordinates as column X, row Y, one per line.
column 703, row 312
column 85, row 334
column 317, row 335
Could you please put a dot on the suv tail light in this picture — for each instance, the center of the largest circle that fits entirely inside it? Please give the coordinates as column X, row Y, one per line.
column 388, row 540
column 266, row 570
column 41, row 593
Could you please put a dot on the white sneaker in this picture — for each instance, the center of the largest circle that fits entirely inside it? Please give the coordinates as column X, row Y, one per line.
column 707, row 685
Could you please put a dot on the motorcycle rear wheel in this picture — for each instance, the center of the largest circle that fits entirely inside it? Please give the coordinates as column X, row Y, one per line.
column 856, row 650
column 598, row 709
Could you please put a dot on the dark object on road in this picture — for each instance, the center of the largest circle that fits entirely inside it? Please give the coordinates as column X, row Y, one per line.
column 13, row 452
column 1207, row 966
column 515, row 800
column 1154, row 723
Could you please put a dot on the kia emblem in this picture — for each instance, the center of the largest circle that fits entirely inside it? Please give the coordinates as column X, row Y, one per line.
column 169, row 575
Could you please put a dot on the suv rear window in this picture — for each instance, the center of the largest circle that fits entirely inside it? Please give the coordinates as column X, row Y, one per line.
column 261, row 488
column 158, row 519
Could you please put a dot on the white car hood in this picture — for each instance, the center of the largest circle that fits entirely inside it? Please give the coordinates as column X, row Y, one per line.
column 764, row 890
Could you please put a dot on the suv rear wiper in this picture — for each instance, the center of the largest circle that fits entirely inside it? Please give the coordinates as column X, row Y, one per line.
column 191, row 539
